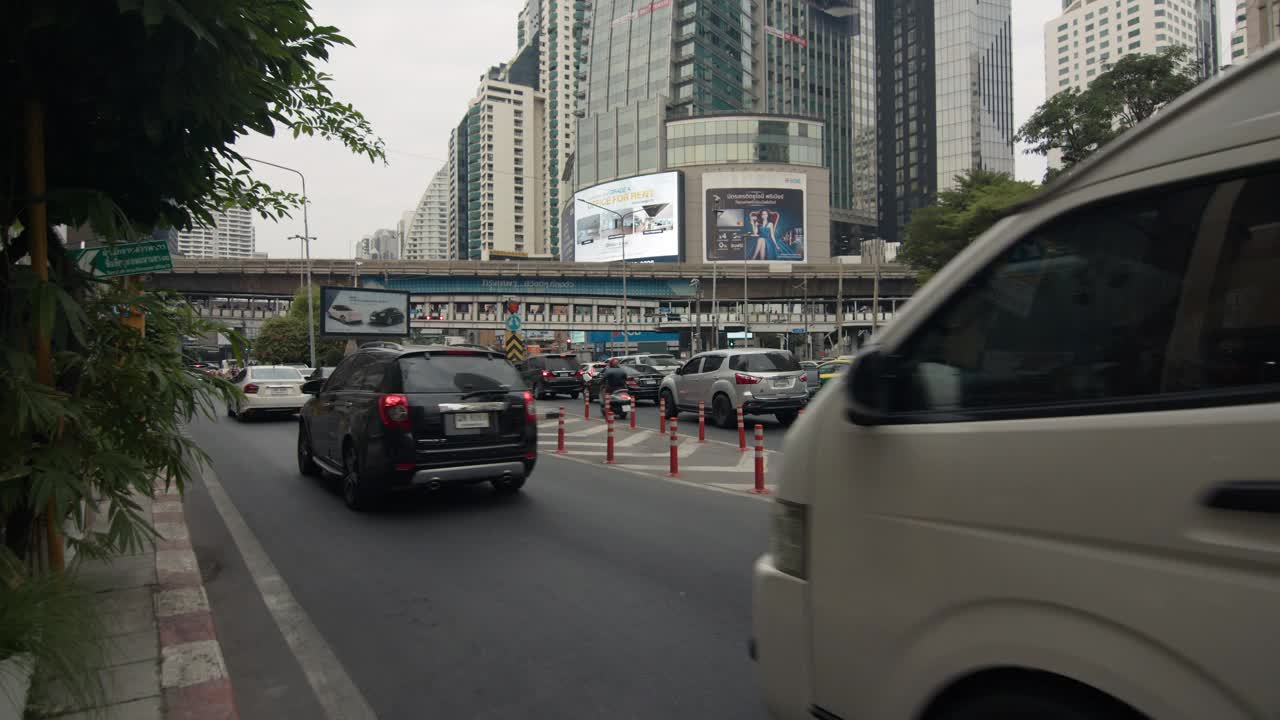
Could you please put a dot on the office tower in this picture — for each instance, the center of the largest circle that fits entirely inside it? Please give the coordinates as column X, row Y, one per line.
column 945, row 93
column 1257, row 25
column 382, row 244
column 231, row 235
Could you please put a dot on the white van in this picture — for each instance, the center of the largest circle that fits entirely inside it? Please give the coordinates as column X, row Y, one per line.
column 1051, row 489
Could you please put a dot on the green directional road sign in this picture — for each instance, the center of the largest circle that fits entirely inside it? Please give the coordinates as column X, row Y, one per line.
column 125, row 259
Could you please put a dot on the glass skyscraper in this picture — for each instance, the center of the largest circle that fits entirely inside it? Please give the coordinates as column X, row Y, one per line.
column 656, row 60
column 945, row 99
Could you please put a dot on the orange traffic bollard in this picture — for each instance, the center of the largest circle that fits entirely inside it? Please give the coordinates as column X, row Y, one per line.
column 586, row 405
column 759, row 489
column 702, row 421
column 633, row 413
column 800, row 412
column 662, row 415
column 608, row 452
column 742, row 432
column 675, row 455
column 560, row 434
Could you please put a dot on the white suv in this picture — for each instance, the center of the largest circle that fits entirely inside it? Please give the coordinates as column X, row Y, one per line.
column 1051, row 487
column 762, row 380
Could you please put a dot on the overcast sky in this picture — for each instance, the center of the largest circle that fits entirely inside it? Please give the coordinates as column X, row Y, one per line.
column 414, row 68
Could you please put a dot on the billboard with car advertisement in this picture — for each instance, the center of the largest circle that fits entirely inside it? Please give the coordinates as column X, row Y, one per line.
column 755, row 217
column 359, row 312
column 642, row 211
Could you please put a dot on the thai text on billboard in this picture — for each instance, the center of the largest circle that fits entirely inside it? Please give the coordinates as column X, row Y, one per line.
column 755, row 217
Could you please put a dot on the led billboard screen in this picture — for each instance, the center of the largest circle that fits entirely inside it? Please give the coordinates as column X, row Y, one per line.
column 643, row 212
column 755, row 217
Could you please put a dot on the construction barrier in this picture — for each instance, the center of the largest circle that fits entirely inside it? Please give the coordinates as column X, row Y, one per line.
column 662, row 415
column 633, row 413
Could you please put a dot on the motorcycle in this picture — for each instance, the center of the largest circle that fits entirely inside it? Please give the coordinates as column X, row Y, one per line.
column 619, row 401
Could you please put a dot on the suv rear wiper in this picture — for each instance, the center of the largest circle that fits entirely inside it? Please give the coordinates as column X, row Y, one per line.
column 488, row 391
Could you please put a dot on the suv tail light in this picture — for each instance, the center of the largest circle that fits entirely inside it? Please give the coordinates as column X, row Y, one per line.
column 250, row 389
column 744, row 379
column 577, row 373
column 804, row 377
column 394, row 411
column 547, row 374
column 530, row 409
column 631, row 382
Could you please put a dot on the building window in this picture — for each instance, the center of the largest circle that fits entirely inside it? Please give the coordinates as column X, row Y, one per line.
column 1135, row 33
column 1134, row 21
column 1160, row 37
column 1135, row 45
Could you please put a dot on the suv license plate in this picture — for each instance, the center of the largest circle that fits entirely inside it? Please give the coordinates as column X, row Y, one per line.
column 279, row 391
column 468, row 421
column 782, row 382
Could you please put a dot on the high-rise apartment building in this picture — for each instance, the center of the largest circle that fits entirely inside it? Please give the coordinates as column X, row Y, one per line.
column 1091, row 35
column 231, row 235
column 496, row 166
column 1257, row 26
column 426, row 236
column 945, row 99
column 661, row 61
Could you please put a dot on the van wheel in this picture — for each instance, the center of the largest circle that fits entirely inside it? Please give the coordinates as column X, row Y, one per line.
column 355, row 490
column 306, row 463
column 672, row 409
column 1035, row 699
column 231, row 411
column 538, row 393
column 722, row 412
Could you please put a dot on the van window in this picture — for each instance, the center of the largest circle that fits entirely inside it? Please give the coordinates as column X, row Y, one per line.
column 1157, row 294
column 764, row 362
column 553, row 362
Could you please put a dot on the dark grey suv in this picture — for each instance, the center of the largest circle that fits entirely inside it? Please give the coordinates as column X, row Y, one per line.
column 418, row 418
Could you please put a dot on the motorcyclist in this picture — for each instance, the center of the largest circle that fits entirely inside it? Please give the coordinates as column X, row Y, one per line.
column 614, row 378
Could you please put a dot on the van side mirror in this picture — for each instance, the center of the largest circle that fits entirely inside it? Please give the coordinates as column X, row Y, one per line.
column 867, row 388
column 313, row 387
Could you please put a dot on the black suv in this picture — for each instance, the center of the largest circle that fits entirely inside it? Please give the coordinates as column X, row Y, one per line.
column 401, row 417
column 552, row 374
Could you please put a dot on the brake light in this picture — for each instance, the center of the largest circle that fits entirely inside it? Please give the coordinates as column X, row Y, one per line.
column 394, row 411
column 632, row 383
column 744, row 379
column 547, row 374
column 250, row 389
column 804, row 377
column 577, row 373
column 530, row 409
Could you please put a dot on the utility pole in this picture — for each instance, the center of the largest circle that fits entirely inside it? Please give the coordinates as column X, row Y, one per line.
column 839, row 309
column 804, row 313
column 746, row 317
column 715, row 309
column 696, row 284
column 878, row 246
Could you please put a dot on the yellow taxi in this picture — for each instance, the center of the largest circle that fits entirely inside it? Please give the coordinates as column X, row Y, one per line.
column 834, row 368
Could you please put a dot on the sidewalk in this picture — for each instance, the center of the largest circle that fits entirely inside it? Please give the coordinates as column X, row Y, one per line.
column 163, row 656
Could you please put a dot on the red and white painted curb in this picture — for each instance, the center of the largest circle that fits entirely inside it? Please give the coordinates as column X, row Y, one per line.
column 193, row 676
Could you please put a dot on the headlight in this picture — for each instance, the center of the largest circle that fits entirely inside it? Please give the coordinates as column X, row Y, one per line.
column 789, row 543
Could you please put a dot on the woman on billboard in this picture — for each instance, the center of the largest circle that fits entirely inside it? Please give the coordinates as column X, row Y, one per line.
column 759, row 220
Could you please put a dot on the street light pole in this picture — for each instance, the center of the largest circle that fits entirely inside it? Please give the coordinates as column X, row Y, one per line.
column 306, row 233
column 625, row 301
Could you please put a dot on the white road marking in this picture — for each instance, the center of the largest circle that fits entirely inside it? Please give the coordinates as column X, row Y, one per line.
column 338, row 695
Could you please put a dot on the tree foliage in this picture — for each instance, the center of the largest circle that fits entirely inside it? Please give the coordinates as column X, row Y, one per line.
column 938, row 233
column 1077, row 123
column 284, row 339
column 140, row 103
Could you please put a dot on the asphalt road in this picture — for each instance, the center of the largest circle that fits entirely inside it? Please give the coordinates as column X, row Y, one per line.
column 593, row 594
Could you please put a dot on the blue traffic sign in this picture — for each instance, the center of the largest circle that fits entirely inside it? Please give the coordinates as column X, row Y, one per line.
column 513, row 323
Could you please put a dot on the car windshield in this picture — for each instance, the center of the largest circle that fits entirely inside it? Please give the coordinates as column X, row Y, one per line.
column 275, row 373
column 660, row 360
column 641, row 369
column 764, row 362
column 454, row 372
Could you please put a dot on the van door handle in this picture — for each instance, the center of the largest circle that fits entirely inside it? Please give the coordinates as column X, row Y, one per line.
column 1256, row 496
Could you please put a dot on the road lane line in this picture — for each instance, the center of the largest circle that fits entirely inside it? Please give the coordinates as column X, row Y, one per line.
column 337, row 693
column 638, row 471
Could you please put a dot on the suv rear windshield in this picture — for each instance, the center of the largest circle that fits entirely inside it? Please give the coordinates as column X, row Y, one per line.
column 441, row 372
column 282, row 373
column 764, row 362
column 560, row 363
column 660, row 360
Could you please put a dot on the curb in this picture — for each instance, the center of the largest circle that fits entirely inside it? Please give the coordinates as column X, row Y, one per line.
column 194, row 681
